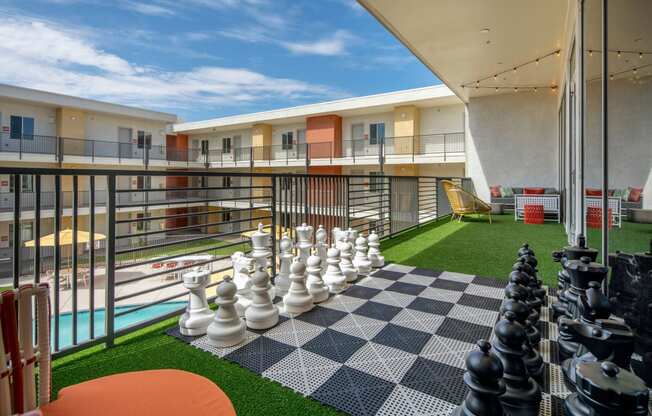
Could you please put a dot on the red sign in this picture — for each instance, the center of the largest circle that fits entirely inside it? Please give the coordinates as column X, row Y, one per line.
column 5, row 129
column 4, row 183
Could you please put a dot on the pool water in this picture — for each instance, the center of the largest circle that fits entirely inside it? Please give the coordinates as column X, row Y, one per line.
column 83, row 320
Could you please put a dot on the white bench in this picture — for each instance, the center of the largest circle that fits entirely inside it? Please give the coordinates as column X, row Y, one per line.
column 550, row 202
column 614, row 206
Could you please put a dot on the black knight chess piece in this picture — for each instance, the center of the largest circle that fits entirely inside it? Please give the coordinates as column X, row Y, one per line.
column 484, row 378
column 604, row 389
column 563, row 278
column 523, row 395
column 532, row 358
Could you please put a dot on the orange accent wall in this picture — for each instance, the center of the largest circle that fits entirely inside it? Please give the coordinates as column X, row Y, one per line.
column 324, row 133
column 325, row 170
column 176, row 182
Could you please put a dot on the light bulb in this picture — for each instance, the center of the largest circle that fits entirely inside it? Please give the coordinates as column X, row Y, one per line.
column 611, row 77
column 537, row 61
column 558, row 52
column 640, row 55
column 535, row 89
column 514, row 69
column 515, row 89
column 495, row 77
column 496, row 89
column 590, row 52
column 619, row 53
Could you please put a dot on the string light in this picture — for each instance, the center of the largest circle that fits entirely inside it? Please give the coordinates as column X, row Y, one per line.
column 619, row 53
column 537, row 61
column 495, row 77
column 536, row 89
column 558, row 53
column 611, row 77
column 640, row 55
column 514, row 69
column 590, row 52
column 515, row 89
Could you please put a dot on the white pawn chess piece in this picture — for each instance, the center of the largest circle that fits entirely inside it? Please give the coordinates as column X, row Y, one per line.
column 298, row 299
column 346, row 265
column 261, row 314
column 260, row 251
column 361, row 261
column 241, row 270
column 334, row 277
column 304, row 241
column 198, row 315
column 377, row 260
column 282, row 281
column 336, row 232
column 316, row 286
column 227, row 329
column 321, row 246
column 351, row 236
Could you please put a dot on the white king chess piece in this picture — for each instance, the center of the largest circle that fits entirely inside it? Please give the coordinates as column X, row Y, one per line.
column 361, row 261
column 298, row 299
column 261, row 314
column 333, row 277
column 304, row 241
column 242, row 266
column 227, row 329
column 260, row 251
column 282, row 281
column 321, row 247
column 316, row 286
column 198, row 315
column 377, row 260
column 346, row 265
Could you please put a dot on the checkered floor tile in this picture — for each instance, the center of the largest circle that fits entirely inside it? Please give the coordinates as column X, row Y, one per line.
column 393, row 343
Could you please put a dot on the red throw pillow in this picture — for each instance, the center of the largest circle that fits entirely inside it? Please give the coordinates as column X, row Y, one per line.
column 593, row 192
column 635, row 194
column 611, row 192
column 533, row 191
column 495, row 191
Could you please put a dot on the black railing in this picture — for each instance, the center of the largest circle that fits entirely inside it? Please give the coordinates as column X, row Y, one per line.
column 134, row 244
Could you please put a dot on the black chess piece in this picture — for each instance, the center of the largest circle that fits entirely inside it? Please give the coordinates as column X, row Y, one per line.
column 525, row 249
column 563, row 278
column 531, row 260
column 604, row 389
column 518, row 276
column 581, row 272
column 523, row 395
column 532, row 358
column 484, row 378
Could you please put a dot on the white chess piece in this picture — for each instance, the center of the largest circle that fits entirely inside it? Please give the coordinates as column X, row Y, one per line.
column 227, row 329
column 361, row 261
column 282, row 281
column 260, row 245
column 304, row 241
column 377, row 259
column 351, row 236
column 346, row 265
column 241, row 269
column 321, row 246
column 335, row 233
column 198, row 315
column 261, row 314
column 316, row 286
column 333, row 277
column 298, row 299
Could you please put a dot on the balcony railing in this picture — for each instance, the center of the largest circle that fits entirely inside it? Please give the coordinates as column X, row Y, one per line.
column 130, row 276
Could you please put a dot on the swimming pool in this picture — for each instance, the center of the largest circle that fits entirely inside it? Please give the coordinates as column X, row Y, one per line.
column 83, row 320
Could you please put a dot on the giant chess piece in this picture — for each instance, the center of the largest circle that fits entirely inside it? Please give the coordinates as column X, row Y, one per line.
column 351, row 235
column 361, row 261
column 242, row 266
column 532, row 358
column 336, row 232
column 298, row 299
column 377, row 260
column 304, row 241
column 198, row 315
column 316, row 286
column 525, row 250
column 227, row 329
column 484, row 378
column 563, row 278
column 346, row 265
column 282, row 281
column 261, row 314
column 321, row 247
column 582, row 272
column 517, row 288
column 333, row 277
column 604, row 389
column 523, row 395
column 260, row 244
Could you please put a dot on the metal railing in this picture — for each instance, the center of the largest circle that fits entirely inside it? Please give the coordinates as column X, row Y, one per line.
column 147, row 238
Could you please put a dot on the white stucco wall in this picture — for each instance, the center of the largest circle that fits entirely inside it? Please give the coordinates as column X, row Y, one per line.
column 366, row 119
column 215, row 139
column 437, row 120
column 44, row 117
column 512, row 140
column 105, row 127
column 630, row 137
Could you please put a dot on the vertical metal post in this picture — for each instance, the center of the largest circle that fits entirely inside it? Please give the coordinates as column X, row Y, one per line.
column 57, row 256
column 20, row 147
column 348, row 202
column 582, row 123
column 91, row 265
column 110, row 261
column 75, row 229
column 273, row 204
column 16, row 230
column 605, row 140
column 37, row 229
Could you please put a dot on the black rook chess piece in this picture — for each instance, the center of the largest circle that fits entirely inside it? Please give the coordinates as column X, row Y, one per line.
column 484, row 379
column 523, row 395
column 604, row 389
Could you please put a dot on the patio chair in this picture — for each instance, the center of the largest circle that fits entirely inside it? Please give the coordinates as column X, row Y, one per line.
column 463, row 203
column 152, row 392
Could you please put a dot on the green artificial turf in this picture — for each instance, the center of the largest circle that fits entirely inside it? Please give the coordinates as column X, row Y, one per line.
column 473, row 247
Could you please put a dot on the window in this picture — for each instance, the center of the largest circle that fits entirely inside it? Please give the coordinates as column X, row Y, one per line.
column 287, row 141
column 142, row 225
column 26, row 183
column 226, row 145
column 144, row 139
column 226, row 181
column 26, row 232
column 204, row 147
column 143, row 182
column 226, row 216
column 21, row 128
column 376, row 133
column 301, row 136
column 376, row 181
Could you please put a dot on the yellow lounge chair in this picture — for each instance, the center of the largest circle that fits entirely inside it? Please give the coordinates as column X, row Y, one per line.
column 463, row 202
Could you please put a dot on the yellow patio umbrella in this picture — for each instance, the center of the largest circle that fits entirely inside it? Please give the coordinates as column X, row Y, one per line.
column 65, row 238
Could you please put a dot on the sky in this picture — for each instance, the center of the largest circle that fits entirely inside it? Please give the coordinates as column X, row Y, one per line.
column 203, row 59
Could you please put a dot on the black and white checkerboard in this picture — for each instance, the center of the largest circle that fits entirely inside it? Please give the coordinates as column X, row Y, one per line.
column 393, row 343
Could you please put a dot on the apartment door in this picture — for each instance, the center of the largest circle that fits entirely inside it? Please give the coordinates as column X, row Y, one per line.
column 237, row 147
column 357, row 136
column 124, row 139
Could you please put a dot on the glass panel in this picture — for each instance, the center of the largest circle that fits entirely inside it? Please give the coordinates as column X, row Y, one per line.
column 16, row 124
column 28, row 128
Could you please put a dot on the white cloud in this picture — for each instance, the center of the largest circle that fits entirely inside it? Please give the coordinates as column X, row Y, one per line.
column 148, row 9
column 65, row 62
column 336, row 44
